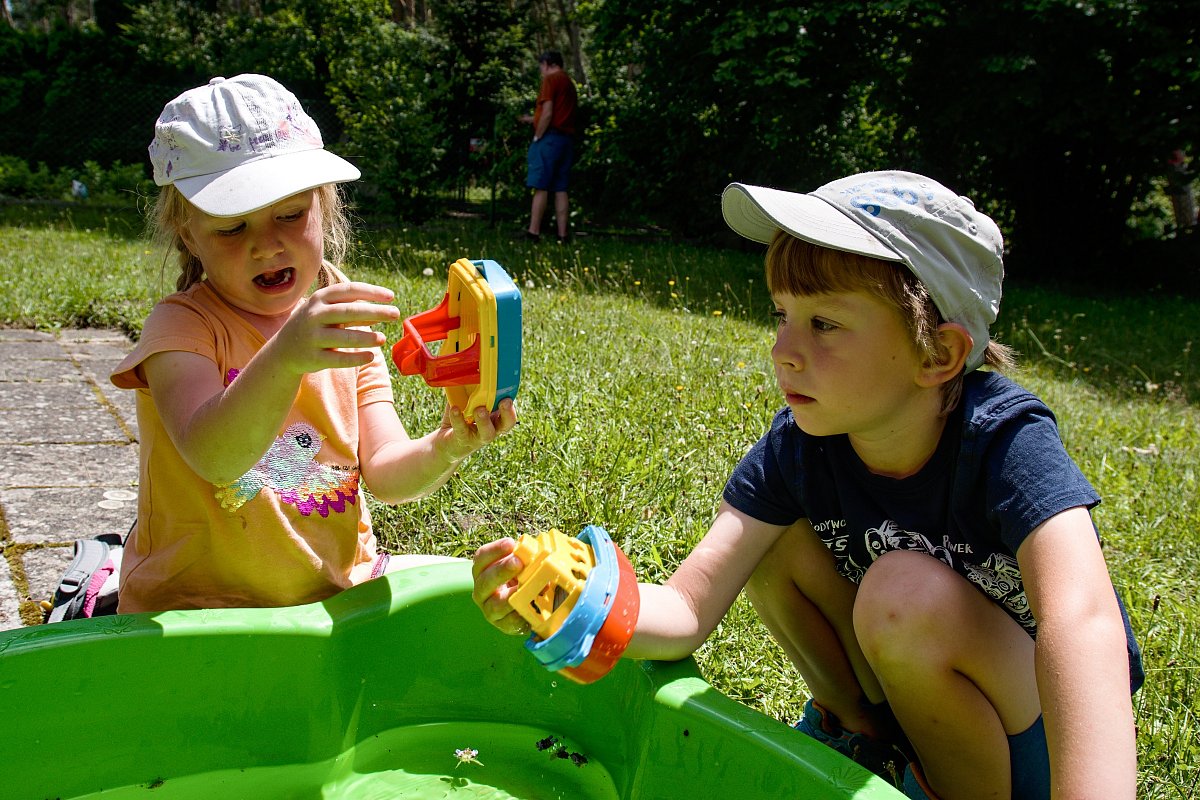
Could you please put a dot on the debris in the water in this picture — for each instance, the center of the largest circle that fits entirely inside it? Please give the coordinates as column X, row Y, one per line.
column 467, row 755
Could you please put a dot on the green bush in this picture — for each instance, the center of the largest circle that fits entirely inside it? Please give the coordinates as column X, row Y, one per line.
column 18, row 179
column 118, row 184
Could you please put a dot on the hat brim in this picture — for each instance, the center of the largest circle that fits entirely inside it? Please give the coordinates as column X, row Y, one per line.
column 757, row 212
column 264, row 181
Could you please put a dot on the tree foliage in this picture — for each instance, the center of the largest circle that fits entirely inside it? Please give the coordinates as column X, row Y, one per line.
column 1055, row 115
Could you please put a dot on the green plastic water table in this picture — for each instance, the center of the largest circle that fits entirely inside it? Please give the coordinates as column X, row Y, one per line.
column 397, row 688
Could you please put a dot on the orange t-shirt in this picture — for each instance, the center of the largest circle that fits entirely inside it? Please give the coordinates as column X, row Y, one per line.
column 294, row 529
column 558, row 87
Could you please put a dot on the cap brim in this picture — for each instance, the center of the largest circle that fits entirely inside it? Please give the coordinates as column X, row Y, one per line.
column 260, row 183
column 757, row 212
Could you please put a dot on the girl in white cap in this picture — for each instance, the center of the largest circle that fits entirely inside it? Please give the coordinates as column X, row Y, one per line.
column 263, row 398
column 911, row 529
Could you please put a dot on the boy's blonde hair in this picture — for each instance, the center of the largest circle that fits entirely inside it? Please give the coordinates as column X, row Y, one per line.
column 797, row 267
column 171, row 213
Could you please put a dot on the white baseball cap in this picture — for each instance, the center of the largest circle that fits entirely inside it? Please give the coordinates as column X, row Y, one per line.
column 238, row 145
column 952, row 248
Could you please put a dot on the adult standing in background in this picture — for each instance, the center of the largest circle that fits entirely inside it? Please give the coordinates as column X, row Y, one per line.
column 552, row 150
column 1179, row 189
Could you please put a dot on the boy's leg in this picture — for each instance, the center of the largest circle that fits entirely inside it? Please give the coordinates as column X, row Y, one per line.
column 957, row 671
column 808, row 607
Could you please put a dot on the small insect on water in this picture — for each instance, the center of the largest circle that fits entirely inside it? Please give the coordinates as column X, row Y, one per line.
column 467, row 755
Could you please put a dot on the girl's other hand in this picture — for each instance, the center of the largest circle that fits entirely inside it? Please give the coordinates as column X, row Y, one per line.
column 458, row 438
column 495, row 570
column 330, row 329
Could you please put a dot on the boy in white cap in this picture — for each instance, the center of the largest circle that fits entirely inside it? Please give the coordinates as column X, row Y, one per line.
column 911, row 528
column 262, row 393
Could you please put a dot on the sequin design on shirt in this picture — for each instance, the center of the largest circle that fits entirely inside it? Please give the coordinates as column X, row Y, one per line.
column 290, row 469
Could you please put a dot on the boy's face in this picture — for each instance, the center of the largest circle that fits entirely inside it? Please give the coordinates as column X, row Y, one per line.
column 846, row 363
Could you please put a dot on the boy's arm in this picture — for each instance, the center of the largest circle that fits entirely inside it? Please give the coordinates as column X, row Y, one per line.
column 1081, row 659
column 675, row 618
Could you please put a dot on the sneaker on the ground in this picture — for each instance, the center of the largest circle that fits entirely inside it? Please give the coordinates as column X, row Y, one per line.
column 880, row 757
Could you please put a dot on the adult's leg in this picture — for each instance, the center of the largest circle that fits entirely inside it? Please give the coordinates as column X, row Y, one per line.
column 957, row 671
column 808, row 607
column 562, row 213
column 537, row 211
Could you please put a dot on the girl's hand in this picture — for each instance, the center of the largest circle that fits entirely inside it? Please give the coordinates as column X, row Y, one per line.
column 457, row 438
column 329, row 329
column 495, row 569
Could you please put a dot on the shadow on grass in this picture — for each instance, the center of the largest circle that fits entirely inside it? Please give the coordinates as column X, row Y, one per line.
column 1122, row 344
column 119, row 222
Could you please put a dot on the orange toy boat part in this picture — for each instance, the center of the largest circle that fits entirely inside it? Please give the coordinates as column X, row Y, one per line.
column 479, row 324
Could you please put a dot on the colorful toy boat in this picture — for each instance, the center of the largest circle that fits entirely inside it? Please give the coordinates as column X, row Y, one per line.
column 395, row 688
column 479, row 323
column 580, row 598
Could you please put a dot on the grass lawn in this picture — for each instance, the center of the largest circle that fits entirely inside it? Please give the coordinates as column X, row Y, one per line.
column 646, row 377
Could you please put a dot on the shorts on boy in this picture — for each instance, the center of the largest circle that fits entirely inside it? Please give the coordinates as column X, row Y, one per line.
column 550, row 160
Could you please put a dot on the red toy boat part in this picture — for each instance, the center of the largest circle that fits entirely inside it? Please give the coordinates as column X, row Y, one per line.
column 479, row 323
column 413, row 357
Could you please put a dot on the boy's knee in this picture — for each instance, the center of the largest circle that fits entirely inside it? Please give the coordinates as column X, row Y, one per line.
column 898, row 605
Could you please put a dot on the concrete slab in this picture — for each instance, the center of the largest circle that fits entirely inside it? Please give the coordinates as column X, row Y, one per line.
column 68, row 457
column 44, row 567
column 10, row 607
column 60, row 516
column 89, row 425
column 69, row 465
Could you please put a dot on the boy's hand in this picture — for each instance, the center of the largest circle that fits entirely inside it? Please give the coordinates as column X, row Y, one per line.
column 495, row 569
column 458, row 438
column 329, row 329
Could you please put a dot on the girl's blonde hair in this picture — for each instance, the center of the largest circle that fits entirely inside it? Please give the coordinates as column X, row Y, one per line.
column 797, row 267
column 171, row 213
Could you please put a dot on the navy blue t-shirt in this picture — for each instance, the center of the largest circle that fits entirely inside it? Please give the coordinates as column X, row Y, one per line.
column 999, row 471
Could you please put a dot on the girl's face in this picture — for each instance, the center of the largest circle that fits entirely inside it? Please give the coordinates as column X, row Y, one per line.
column 846, row 364
column 262, row 263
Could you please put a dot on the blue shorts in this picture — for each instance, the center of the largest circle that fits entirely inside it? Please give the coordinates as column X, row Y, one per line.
column 1030, row 762
column 550, row 162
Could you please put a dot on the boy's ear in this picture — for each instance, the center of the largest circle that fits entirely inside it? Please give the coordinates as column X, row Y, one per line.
column 954, row 345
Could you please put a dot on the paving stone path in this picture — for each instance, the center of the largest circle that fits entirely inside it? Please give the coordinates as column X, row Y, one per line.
column 68, row 457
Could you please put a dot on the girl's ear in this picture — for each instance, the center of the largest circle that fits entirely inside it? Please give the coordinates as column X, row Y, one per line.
column 954, row 345
column 185, row 239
